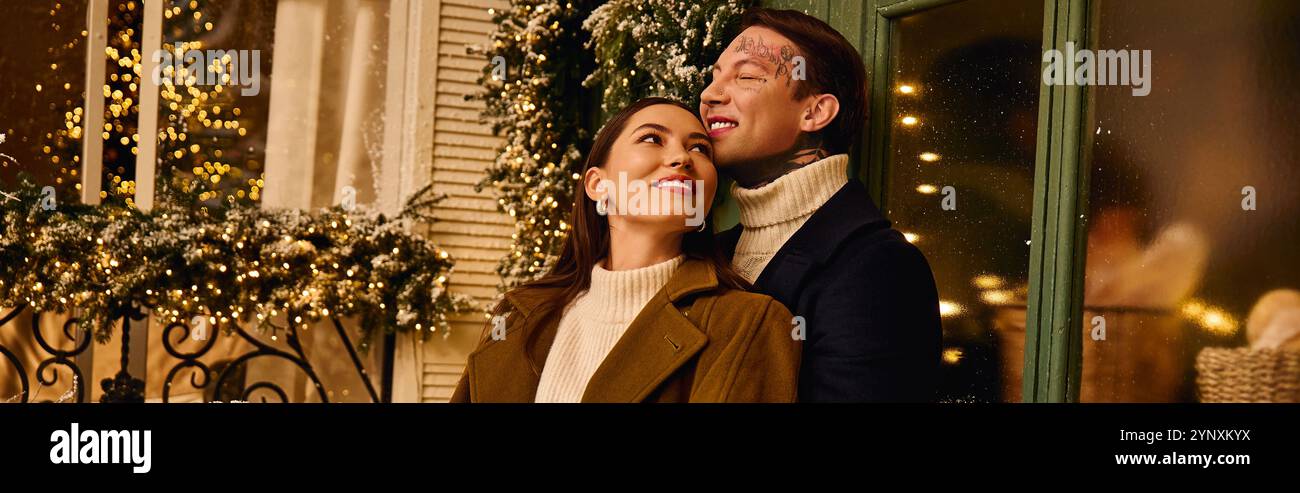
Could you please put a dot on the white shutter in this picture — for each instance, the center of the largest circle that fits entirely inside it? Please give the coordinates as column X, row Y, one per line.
column 469, row 225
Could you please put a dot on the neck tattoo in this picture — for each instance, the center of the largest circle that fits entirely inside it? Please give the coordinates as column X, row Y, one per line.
column 807, row 149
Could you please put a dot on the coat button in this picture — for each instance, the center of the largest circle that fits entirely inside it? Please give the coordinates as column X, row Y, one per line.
column 676, row 347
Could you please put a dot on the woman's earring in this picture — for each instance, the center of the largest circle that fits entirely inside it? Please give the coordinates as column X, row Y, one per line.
column 702, row 226
column 601, row 207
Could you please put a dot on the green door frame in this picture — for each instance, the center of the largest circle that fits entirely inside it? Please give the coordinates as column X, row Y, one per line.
column 1053, row 336
column 1054, row 349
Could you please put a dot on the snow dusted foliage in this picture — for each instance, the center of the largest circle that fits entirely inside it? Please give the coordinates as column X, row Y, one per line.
column 276, row 269
column 657, row 47
column 534, row 98
column 545, row 60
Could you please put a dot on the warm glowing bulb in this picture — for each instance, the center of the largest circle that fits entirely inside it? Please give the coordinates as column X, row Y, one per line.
column 1218, row 322
column 987, row 281
column 906, row 89
column 996, row 297
column 927, row 189
column 911, row 237
column 952, row 356
column 948, row 308
column 910, row 120
column 929, row 157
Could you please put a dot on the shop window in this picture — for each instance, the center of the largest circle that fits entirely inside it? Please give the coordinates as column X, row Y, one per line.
column 962, row 120
column 1192, row 204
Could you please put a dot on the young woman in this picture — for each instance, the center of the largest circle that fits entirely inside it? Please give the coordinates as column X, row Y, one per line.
column 640, row 306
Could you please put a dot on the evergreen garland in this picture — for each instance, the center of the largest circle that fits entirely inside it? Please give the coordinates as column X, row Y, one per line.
column 537, row 106
column 241, row 263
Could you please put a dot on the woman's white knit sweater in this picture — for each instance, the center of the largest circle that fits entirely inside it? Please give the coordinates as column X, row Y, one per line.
column 593, row 323
column 772, row 213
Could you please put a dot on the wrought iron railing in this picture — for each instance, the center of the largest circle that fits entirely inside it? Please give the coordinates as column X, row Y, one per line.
column 125, row 387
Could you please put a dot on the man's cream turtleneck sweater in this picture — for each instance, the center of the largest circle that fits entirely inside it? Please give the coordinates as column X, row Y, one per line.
column 593, row 323
column 772, row 213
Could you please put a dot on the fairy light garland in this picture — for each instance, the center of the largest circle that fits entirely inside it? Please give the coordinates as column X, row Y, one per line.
column 242, row 263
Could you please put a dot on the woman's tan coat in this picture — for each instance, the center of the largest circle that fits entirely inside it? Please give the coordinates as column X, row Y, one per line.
column 694, row 341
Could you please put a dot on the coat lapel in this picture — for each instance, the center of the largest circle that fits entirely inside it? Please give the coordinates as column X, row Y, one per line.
column 658, row 342
column 655, row 345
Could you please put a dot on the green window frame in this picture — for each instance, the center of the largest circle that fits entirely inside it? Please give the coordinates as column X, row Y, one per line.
column 1053, row 337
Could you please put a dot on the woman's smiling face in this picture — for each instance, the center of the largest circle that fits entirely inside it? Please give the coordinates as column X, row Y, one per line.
column 662, row 155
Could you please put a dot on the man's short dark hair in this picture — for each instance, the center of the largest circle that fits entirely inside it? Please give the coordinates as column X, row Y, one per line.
column 833, row 67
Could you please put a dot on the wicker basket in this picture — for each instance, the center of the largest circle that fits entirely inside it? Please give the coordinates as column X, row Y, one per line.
column 1245, row 375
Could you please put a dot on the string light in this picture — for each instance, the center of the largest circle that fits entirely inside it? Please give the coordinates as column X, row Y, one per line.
column 952, row 356
column 949, row 309
column 184, row 105
column 1212, row 319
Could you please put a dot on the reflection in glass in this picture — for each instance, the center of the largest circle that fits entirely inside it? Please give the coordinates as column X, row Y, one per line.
column 1192, row 208
column 962, row 134
column 212, row 121
column 309, row 126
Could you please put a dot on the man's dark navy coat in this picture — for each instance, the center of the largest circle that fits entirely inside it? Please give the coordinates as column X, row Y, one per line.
column 868, row 298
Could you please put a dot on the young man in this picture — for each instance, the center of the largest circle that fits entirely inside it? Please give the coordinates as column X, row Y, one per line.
column 786, row 105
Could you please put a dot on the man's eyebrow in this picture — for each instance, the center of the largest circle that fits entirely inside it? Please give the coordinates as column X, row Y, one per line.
column 749, row 60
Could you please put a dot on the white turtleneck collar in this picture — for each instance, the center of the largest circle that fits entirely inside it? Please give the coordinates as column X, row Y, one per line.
column 793, row 196
column 618, row 296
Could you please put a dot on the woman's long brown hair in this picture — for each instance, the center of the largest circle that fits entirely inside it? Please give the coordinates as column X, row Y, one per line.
column 588, row 240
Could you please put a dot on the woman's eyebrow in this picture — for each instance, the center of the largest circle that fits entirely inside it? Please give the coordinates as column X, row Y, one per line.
column 661, row 128
column 654, row 126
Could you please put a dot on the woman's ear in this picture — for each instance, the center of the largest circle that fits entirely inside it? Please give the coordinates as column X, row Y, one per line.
column 591, row 184
column 820, row 112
